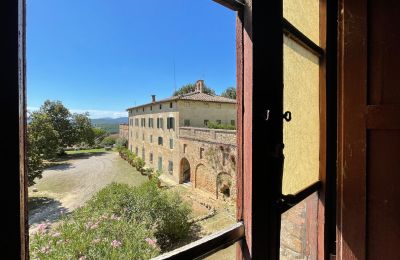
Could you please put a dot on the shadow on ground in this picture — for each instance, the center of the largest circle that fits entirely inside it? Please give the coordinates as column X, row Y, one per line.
column 66, row 157
column 44, row 209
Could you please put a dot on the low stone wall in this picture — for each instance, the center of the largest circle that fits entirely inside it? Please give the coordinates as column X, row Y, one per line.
column 220, row 136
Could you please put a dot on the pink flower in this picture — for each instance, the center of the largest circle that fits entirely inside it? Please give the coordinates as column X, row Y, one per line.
column 45, row 249
column 116, row 243
column 151, row 242
column 57, row 234
column 42, row 228
column 94, row 226
column 82, row 257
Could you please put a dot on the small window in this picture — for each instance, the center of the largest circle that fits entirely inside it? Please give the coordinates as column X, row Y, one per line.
column 184, row 148
column 201, row 152
column 136, row 151
column 170, row 167
column 233, row 122
column 143, row 136
column 161, row 123
column 151, row 157
column 171, row 143
column 143, row 109
column 170, row 123
column 151, row 108
column 170, row 105
column 206, row 122
column 160, row 106
column 160, row 163
column 186, row 122
column 219, row 122
column 160, row 140
column 151, row 138
column 151, row 123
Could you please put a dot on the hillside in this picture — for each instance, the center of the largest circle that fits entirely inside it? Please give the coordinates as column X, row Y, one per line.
column 111, row 125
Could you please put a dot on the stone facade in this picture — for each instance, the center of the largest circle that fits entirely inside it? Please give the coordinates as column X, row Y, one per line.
column 158, row 132
column 211, row 155
column 124, row 131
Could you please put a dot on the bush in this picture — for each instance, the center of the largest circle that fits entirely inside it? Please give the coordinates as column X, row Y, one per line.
column 121, row 142
column 215, row 125
column 139, row 164
column 108, row 141
column 119, row 222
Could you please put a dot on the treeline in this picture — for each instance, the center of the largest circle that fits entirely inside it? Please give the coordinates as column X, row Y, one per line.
column 52, row 129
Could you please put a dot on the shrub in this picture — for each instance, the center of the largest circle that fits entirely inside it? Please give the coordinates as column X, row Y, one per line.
column 121, row 142
column 108, row 141
column 119, row 222
column 139, row 164
column 215, row 125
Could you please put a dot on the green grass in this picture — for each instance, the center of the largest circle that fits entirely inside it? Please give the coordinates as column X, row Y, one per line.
column 119, row 222
column 100, row 150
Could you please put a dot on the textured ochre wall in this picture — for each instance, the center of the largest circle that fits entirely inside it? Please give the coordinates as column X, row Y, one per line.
column 303, row 14
column 301, row 134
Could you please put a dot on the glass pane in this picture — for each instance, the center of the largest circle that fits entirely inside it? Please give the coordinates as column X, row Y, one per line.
column 301, row 134
column 304, row 15
column 299, row 230
column 228, row 253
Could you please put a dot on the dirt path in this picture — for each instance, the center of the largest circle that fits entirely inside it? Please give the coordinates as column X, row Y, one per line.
column 66, row 187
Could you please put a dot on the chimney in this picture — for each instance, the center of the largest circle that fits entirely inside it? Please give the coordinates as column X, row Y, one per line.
column 153, row 98
column 199, row 86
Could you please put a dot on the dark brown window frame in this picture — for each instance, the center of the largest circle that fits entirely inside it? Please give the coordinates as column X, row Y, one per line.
column 251, row 125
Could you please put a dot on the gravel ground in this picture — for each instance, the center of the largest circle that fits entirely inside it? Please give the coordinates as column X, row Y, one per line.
column 66, row 187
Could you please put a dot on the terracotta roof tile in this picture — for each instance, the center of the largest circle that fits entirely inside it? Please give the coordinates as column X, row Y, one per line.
column 193, row 96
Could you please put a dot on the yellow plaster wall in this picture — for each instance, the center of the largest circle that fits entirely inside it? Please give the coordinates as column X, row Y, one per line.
column 301, row 134
column 303, row 14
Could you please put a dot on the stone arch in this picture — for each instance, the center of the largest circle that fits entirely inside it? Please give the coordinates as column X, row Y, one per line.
column 224, row 185
column 185, row 171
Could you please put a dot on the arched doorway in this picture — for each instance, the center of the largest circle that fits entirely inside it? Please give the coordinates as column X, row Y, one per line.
column 224, row 185
column 185, row 170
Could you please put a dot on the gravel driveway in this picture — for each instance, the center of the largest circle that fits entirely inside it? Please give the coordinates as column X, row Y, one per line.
column 66, row 187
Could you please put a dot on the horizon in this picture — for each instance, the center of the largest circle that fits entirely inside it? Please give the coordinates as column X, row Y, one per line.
column 100, row 58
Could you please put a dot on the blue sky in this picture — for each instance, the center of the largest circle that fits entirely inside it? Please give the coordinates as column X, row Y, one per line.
column 104, row 56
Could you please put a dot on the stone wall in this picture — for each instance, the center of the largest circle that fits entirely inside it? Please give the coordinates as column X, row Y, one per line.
column 124, row 131
column 211, row 154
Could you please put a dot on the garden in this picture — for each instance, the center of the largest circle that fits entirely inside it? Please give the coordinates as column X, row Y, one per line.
column 119, row 222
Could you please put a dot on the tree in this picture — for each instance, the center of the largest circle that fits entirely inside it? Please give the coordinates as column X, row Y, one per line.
column 99, row 134
column 83, row 130
column 229, row 93
column 190, row 88
column 60, row 118
column 34, row 161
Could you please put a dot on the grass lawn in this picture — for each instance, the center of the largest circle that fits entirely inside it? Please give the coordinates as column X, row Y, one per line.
column 100, row 150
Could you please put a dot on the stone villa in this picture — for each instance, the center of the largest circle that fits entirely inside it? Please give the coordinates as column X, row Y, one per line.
column 171, row 136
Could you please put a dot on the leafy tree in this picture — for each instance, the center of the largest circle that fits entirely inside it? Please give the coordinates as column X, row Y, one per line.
column 83, row 130
column 42, row 137
column 190, row 88
column 60, row 118
column 99, row 134
column 34, row 161
column 108, row 141
column 229, row 93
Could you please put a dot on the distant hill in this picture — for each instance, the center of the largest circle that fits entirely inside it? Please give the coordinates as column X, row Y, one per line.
column 111, row 125
column 109, row 120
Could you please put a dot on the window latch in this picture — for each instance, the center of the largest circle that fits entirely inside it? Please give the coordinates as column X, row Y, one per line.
column 287, row 116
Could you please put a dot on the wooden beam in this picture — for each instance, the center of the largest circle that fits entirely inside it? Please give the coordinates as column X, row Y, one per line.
column 234, row 5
